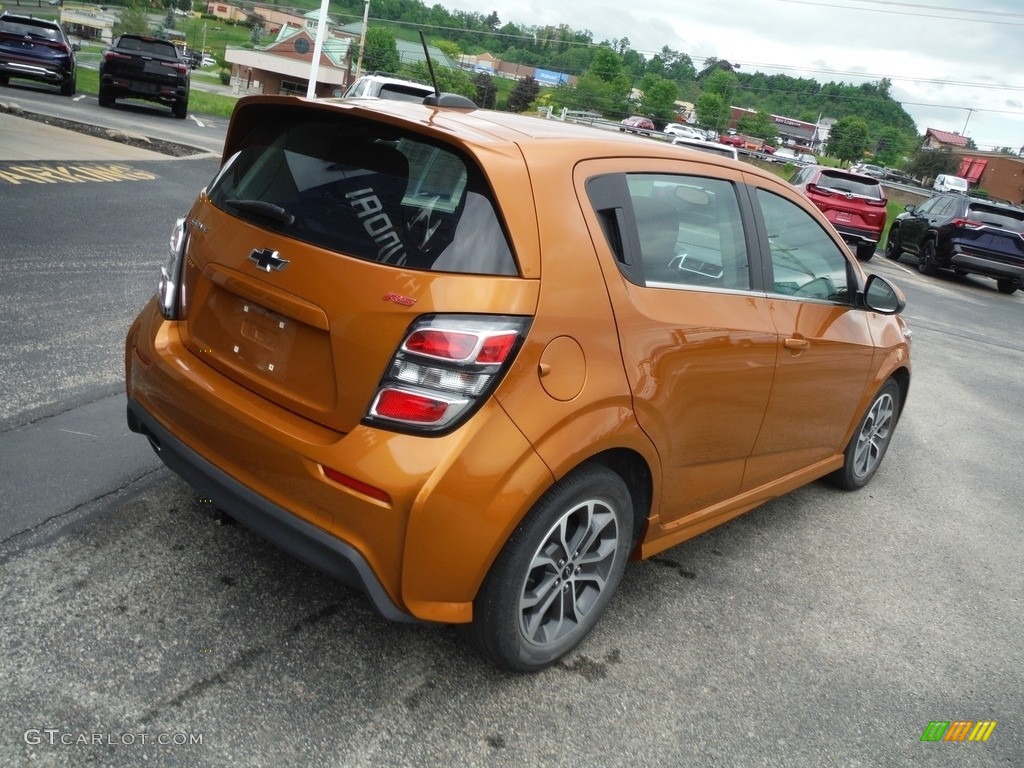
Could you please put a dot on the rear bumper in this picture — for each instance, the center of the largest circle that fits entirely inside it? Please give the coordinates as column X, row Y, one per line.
column 857, row 236
column 122, row 87
column 292, row 534
column 980, row 264
column 34, row 71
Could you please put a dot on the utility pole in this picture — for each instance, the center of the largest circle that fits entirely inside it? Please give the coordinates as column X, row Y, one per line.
column 362, row 38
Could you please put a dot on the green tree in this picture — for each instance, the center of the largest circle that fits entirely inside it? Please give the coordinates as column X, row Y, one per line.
column 606, row 65
column 381, row 51
column 929, row 163
column 712, row 111
column 659, row 98
column 486, row 91
column 133, row 21
column 523, row 95
column 760, row 125
column 848, row 139
column 891, row 147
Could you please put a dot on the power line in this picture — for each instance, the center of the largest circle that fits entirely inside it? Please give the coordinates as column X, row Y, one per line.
column 887, row 10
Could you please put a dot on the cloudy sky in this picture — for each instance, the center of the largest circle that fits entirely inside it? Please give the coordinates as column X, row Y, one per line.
column 952, row 69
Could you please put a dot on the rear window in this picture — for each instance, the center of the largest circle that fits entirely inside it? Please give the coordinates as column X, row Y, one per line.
column 156, row 47
column 366, row 191
column 399, row 92
column 843, row 182
column 29, row 28
column 997, row 217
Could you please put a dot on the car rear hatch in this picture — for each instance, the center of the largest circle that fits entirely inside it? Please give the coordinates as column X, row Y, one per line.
column 849, row 200
column 333, row 252
column 151, row 65
column 995, row 232
column 32, row 47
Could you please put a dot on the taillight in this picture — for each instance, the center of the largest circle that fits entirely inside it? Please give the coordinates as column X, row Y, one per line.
column 111, row 55
column 814, row 189
column 446, row 366
column 877, row 203
column 966, row 224
column 170, row 273
column 177, row 66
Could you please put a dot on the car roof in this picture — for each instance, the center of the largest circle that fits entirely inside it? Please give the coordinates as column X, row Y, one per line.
column 476, row 130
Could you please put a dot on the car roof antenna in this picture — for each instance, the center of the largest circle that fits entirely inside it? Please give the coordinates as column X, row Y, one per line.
column 438, row 99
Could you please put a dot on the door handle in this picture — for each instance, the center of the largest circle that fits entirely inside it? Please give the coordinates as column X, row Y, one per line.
column 796, row 344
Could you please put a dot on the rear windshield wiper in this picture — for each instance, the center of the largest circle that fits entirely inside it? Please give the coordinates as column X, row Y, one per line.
column 271, row 211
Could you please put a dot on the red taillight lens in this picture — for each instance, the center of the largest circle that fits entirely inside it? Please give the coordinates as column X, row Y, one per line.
column 446, row 366
column 966, row 223
column 814, row 189
column 177, row 66
column 447, row 345
column 877, row 203
column 111, row 55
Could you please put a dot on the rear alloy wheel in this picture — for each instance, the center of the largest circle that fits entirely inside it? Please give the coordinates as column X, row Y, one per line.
column 865, row 251
column 867, row 448
column 557, row 572
column 1007, row 285
column 926, row 261
column 893, row 249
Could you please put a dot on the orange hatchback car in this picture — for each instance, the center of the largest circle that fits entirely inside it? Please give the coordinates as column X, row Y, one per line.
column 472, row 362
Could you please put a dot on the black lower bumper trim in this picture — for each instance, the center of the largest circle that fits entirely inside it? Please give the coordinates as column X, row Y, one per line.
column 292, row 534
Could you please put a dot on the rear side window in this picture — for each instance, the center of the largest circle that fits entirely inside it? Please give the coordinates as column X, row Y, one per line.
column 690, row 231
column 841, row 182
column 344, row 185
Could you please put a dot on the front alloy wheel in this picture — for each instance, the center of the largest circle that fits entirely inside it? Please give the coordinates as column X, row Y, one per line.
column 557, row 572
column 867, row 448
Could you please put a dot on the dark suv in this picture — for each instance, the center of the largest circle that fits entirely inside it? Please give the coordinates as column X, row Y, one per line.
column 970, row 235
column 140, row 67
column 853, row 202
column 36, row 49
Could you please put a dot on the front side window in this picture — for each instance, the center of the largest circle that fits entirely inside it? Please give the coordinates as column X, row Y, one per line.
column 806, row 262
column 690, row 231
column 349, row 186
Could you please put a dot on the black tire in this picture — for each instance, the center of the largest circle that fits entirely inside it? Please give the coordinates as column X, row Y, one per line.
column 926, row 260
column 865, row 251
column 105, row 98
column 893, row 249
column 1007, row 285
column 870, row 441
column 5, row 80
column 540, row 599
column 67, row 88
column 180, row 109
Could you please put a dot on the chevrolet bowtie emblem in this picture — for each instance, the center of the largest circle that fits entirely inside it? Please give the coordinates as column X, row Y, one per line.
column 267, row 260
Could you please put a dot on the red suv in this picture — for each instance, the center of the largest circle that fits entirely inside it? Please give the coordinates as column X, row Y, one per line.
column 853, row 202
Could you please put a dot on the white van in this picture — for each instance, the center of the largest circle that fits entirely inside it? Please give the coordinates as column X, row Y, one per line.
column 946, row 183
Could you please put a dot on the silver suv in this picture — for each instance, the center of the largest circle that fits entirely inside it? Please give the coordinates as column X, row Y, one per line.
column 378, row 86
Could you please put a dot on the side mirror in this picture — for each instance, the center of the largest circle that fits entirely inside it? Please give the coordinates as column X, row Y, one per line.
column 882, row 296
column 76, row 47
